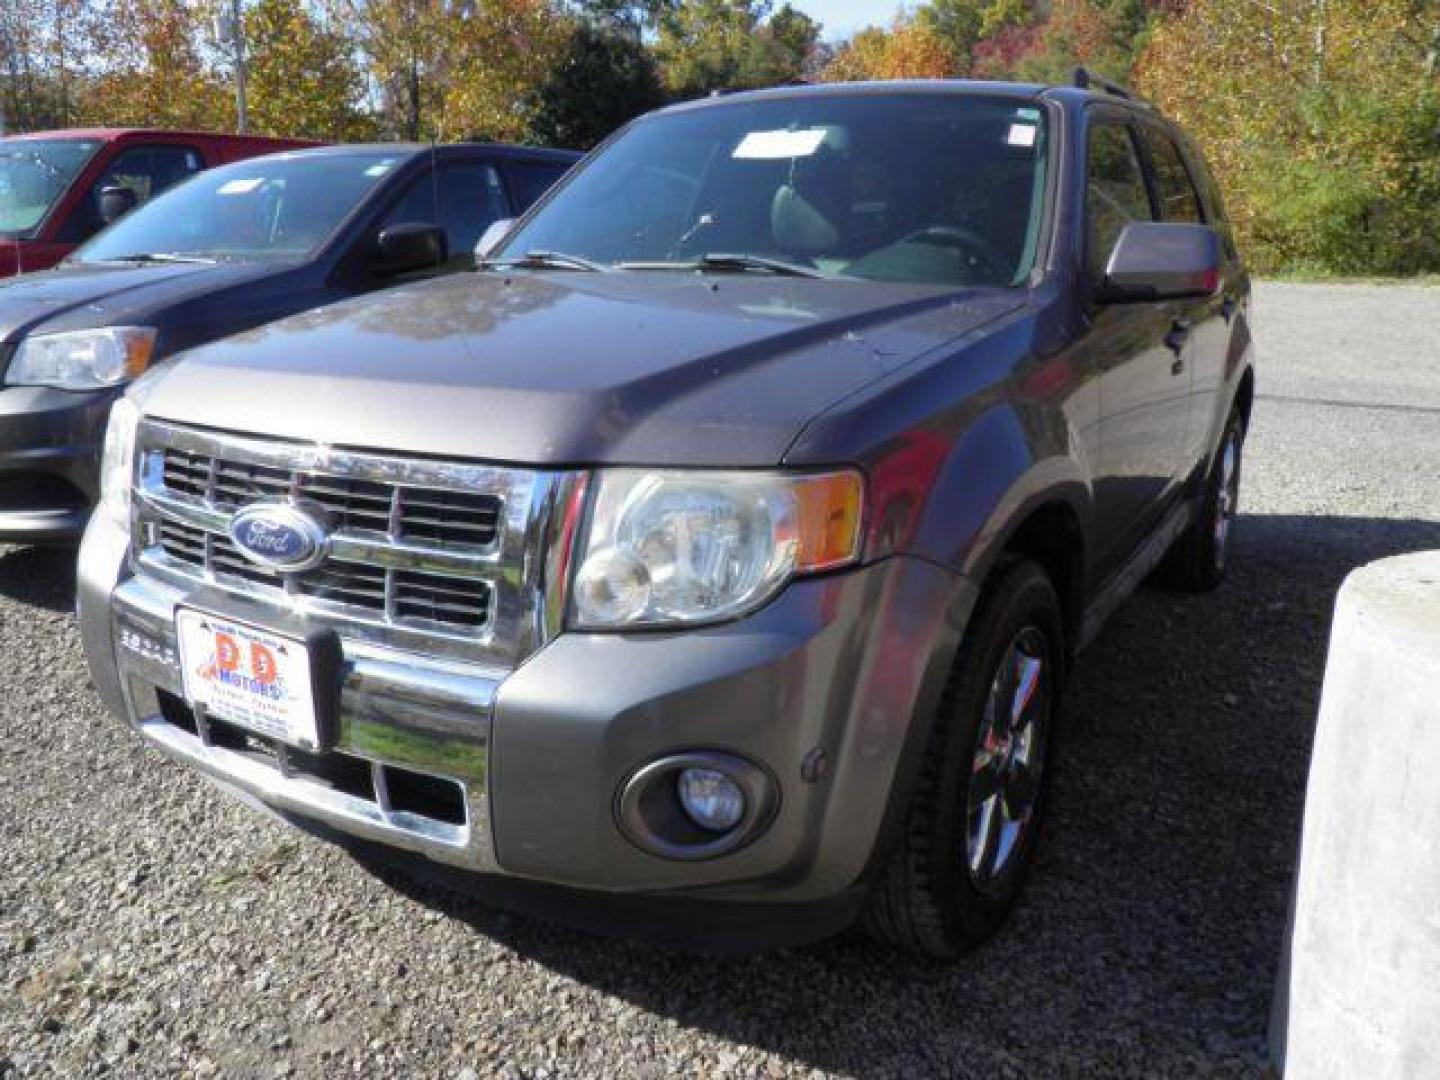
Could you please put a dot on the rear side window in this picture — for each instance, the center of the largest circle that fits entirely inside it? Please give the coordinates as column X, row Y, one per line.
column 1115, row 192
column 529, row 180
column 1179, row 200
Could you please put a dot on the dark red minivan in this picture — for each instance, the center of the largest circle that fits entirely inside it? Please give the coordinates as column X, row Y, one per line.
column 51, row 182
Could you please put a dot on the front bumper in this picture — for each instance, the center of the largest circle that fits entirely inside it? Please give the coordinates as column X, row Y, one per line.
column 49, row 461
column 848, row 666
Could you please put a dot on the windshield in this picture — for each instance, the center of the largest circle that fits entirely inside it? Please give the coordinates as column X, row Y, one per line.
column 34, row 173
column 935, row 188
column 281, row 207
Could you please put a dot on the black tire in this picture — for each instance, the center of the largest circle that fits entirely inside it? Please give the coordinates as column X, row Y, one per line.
column 931, row 901
column 1200, row 555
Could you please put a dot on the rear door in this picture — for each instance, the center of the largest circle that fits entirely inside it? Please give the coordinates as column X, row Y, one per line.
column 1144, row 381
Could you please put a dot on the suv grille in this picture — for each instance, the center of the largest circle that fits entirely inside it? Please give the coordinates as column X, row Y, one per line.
column 406, row 512
column 410, row 594
column 449, row 557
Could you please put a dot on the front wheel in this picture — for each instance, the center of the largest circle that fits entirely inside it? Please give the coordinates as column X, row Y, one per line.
column 972, row 826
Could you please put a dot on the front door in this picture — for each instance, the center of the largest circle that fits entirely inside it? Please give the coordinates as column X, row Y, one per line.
column 1139, row 352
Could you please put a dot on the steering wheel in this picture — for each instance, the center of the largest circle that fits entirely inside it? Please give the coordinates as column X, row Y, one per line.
column 969, row 244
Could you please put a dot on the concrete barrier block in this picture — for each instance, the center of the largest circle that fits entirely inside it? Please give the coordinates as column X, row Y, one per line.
column 1359, row 987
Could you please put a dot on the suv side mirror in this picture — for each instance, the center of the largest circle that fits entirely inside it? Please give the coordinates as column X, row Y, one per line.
column 491, row 237
column 1162, row 260
column 116, row 202
column 410, row 246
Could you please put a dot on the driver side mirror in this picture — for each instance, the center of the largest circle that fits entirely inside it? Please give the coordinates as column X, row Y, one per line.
column 1161, row 260
column 410, row 246
column 116, row 202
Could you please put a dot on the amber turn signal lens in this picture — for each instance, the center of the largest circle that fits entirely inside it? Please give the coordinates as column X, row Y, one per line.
column 829, row 507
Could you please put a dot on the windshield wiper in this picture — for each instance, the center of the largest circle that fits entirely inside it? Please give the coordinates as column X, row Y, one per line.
column 727, row 262
column 541, row 260
column 160, row 257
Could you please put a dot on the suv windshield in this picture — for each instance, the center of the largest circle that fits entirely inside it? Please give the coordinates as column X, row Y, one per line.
column 280, row 207
column 34, row 173
column 935, row 188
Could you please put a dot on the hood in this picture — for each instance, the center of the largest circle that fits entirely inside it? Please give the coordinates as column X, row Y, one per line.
column 570, row 368
column 74, row 297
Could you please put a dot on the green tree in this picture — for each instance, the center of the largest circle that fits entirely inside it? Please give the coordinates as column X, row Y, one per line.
column 303, row 77
column 604, row 79
column 702, row 44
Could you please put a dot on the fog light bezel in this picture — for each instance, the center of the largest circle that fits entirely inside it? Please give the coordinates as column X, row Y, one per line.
column 650, row 814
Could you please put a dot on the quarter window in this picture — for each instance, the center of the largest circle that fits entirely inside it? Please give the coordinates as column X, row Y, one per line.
column 1115, row 193
column 1178, row 198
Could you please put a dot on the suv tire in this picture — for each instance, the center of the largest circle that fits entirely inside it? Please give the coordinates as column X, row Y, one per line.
column 1198, row 559
column 965, row 852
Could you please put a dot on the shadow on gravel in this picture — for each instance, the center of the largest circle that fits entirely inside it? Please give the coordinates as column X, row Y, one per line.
column 1148, row 937
column 43, row 577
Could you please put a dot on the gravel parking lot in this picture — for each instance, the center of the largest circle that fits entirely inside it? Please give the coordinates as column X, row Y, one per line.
column 148, row 926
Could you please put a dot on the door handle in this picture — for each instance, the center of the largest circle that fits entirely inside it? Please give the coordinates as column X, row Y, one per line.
column 1175, row 341
column 1179, row 334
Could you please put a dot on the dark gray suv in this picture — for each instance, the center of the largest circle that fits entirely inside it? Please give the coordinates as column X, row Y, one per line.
column 720, row 546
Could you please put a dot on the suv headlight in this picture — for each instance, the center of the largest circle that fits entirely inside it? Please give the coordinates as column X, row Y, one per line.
column 667, row 548
column 117, row 462
column 82, row 359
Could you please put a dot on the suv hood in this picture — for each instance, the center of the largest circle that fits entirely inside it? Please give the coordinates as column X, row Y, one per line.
column 570, row 368
column 114, row 294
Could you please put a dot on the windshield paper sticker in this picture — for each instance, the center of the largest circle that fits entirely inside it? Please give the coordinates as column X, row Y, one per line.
column 1021, row 135
column 240, row 187
column 773, row 145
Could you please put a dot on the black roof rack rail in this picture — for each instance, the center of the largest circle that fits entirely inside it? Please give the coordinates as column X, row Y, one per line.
column 1085, row 79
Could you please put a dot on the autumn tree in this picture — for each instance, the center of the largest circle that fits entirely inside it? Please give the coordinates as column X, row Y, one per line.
column 44, row 49
column 303, row 77
column 154, row 71
column 1320, row 117
column 907, row 50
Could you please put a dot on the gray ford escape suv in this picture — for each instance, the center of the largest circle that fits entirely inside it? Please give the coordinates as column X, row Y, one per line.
column 720, row 544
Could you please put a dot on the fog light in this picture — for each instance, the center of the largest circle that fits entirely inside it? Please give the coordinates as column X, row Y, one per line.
column 711, row 799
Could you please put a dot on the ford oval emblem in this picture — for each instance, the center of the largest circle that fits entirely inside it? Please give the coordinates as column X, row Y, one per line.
column 279, row 536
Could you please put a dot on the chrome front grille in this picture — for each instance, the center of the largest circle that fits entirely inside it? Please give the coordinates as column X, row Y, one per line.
column 408, row 595
column 447, row 557
column 438, row 515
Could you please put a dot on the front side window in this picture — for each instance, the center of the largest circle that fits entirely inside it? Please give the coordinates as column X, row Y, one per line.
column 280, row 207
column 531, row 179
column 34, row 174
column 463, row 198
column 145, row 170
column 1115, row 192
column 929, row 188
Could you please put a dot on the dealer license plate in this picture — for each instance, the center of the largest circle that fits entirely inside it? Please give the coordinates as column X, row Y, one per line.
column 248, row 676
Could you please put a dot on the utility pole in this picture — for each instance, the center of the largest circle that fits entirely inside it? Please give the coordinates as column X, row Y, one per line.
column 230, row 30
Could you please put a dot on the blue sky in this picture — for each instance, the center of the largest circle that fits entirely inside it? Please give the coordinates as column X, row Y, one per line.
column 843, row 17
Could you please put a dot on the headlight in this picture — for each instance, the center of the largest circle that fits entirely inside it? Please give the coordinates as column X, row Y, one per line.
column 679, row 548
column 117, row 462
column 82, row 359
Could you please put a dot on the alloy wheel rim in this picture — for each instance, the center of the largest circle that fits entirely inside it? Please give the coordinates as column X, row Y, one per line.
column 1228, row 497
column 1004, row 784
